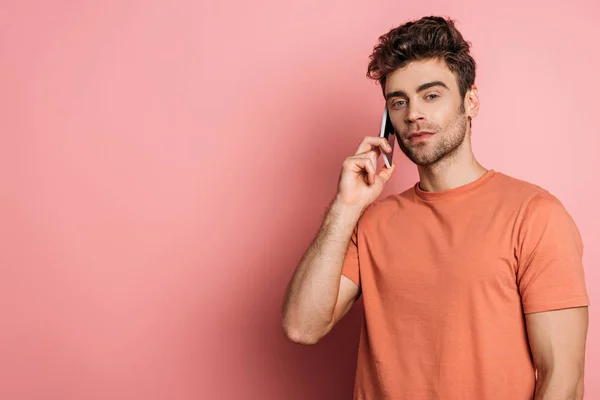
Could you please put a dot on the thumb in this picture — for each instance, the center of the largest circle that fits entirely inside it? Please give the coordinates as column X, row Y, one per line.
column 386, row 173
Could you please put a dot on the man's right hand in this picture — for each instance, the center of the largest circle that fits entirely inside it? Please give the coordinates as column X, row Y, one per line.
column 359, row 183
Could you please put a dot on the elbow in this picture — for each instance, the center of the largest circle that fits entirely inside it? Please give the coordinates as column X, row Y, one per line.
column 300, row 336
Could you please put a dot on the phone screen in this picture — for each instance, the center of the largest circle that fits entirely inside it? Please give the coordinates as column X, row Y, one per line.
column 387, row 131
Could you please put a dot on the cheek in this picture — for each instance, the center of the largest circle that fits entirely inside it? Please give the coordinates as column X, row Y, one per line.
column 398, row 121
column 442, row 116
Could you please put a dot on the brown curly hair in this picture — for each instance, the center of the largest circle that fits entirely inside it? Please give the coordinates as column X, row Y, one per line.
column 427, row 38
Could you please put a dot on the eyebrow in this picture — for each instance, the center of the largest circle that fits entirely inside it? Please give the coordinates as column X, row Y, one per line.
column 425, row 86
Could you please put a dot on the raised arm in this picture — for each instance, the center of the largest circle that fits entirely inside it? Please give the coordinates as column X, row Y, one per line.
column 318, row 295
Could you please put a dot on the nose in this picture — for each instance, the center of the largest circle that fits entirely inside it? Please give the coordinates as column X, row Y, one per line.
column 414, row 114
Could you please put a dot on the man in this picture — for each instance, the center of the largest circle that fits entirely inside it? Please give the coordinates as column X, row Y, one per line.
column 472, row 281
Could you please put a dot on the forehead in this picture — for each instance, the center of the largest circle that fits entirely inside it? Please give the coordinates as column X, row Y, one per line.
column 416, row 73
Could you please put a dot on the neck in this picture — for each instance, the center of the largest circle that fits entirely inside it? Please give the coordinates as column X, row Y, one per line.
column 454, row 170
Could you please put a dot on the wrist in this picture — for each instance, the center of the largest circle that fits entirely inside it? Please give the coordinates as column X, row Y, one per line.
column 346, row 209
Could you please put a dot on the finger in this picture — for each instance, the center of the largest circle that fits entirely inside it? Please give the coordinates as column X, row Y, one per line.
column 369, row 167
column 358, row 164
column 375, row 151
column 373, row 155
column 366, row 166
column 371, row 171
column 371, row 142
column 386, row 174
column 373, row 159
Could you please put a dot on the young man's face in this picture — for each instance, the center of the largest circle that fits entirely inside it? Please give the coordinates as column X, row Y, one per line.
column 427, row 111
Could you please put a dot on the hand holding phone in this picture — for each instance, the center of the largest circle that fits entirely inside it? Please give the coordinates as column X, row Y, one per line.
column 360, row 184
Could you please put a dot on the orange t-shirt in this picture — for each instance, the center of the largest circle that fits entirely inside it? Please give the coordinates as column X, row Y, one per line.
column 446, row 278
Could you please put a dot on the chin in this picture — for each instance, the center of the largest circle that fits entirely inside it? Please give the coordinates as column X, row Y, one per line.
column 424, row 162
column 423, row 157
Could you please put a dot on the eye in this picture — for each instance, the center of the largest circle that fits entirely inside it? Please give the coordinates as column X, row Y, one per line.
column 399, row 103
column 431, row 96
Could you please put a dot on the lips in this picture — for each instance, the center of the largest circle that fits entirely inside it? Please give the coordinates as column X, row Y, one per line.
column 418, row 134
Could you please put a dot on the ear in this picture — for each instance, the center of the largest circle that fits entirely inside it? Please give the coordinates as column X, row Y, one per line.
column 472, row 102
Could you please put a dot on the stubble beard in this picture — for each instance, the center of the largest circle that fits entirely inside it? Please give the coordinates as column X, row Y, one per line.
column 449, row 141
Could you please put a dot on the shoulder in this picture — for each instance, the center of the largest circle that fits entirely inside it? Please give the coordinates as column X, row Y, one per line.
column 390, row 204
column 546, row 209
column 545, row 202
column 384, row 208
column 516, row 186
column 532, row 198
column 526, row 196
column 544, row 215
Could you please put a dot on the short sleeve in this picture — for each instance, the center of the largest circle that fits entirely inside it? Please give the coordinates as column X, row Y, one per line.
column 350, row 268
column 550, row 272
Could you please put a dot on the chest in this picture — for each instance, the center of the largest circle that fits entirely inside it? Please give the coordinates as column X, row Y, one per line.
column 436, row 253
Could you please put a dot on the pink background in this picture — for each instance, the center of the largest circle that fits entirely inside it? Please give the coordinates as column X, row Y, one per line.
column 164, row 166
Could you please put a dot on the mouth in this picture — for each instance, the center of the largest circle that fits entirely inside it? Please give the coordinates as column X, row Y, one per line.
column 419, row 136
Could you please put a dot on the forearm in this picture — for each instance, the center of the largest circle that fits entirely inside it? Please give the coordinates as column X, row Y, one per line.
column 553, row 385
column 311, row 295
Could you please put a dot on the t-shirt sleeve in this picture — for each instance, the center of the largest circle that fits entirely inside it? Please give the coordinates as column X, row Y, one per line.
column 550, row 272
column 350, row 268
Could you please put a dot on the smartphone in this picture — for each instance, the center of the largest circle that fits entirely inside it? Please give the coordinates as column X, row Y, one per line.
column 387, row 131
